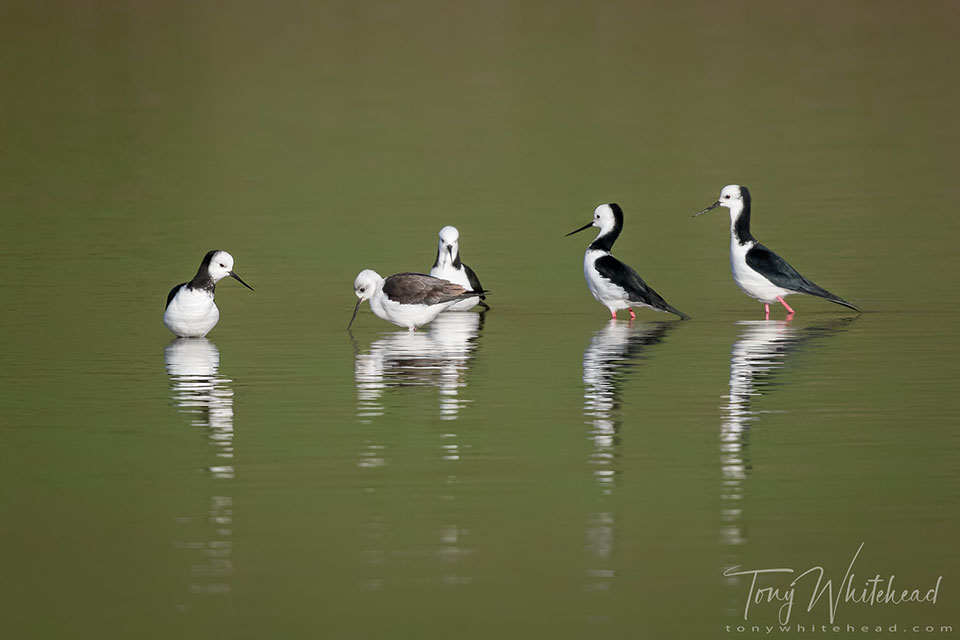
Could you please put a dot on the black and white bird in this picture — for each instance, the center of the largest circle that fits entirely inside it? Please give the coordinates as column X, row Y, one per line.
column 758, row 271
column 191, row 311
column 410, row 300
column 614, row 284
column 447, row 266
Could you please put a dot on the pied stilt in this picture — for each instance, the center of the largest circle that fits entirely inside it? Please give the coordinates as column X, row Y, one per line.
column 758, row 271
column 613, row 283
column 191, row 311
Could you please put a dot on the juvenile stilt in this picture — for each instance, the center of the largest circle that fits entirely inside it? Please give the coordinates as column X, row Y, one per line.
column 410, row 300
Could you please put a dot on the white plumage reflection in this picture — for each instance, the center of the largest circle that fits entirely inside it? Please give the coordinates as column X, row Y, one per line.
column 761, row 351
column 206, row 398
column 608, row 359
column 436, row 358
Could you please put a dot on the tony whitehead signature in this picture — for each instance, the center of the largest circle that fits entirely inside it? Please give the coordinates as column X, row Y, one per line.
column 876, row 590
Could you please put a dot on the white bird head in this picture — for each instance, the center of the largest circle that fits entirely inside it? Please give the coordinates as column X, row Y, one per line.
column 733, row 197
column 365, row 285
column 449, row 249
column 219, row 265
column 607, row 216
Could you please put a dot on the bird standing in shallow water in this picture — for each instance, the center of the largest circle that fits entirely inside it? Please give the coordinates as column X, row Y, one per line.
column 191, row 311
column 758, row 271
column 448, row 267
column 410, row 300
column 614, row 284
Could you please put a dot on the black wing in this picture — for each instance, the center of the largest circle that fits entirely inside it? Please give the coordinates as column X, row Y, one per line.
column 172, row 293
column 474, row 281
column 779, row 272
column 417, row 288
column 631, row 282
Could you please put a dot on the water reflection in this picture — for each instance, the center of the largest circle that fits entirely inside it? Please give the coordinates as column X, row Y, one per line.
column 435, row 358
column 205, row 397
column 762, row 350
column 612, row 352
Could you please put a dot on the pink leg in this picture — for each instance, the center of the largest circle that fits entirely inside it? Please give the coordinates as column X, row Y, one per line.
column 613, row 315
column 789, row 310
column 633, row 316
column 766, row 309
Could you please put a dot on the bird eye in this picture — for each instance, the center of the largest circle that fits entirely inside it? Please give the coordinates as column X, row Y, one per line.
column 362, row 289
column 223, row 265
column 726, row 196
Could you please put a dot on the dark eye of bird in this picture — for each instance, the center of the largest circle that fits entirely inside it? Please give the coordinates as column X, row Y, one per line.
column 727, row 197
column 223, row 265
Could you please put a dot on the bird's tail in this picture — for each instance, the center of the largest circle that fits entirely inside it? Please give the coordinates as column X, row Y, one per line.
column 473, row 294
column 820, row 292
column 676, row 312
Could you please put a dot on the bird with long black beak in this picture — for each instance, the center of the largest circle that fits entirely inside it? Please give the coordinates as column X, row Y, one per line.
column 759, row 272
column 614, row 284
column 191, row 311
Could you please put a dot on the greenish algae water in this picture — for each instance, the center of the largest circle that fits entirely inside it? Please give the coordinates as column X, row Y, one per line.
column 542, row 473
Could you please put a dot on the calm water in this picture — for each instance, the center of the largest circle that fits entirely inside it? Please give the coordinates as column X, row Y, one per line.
column 537, row 471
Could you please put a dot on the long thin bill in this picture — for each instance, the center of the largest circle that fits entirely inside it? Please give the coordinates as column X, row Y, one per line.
column 355, row 309
column 583, row 228
column 237, row 278
column 714, row 205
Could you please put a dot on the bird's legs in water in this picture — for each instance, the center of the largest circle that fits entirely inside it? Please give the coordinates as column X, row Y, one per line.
column 633, row 316
column 766, row 309
column 785, row 305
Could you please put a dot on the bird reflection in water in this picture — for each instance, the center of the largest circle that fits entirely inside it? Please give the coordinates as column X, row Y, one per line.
column 435, row 358
column 439, row 358
column 205, row 397
column 612, row 352
column 763, row 348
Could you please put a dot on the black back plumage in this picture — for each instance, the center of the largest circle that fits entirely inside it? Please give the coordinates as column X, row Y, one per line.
column 781, row 273
column 474, row 281
column 771, row 266
column 637, row 290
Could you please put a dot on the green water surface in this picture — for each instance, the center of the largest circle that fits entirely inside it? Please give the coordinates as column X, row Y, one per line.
column 538, row 472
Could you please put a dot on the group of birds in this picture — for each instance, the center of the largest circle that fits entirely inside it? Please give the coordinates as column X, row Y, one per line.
column 412, row 300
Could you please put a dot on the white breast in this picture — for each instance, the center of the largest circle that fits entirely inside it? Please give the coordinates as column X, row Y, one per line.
column 750, row 282
column 608, row 294
column 192, row 313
